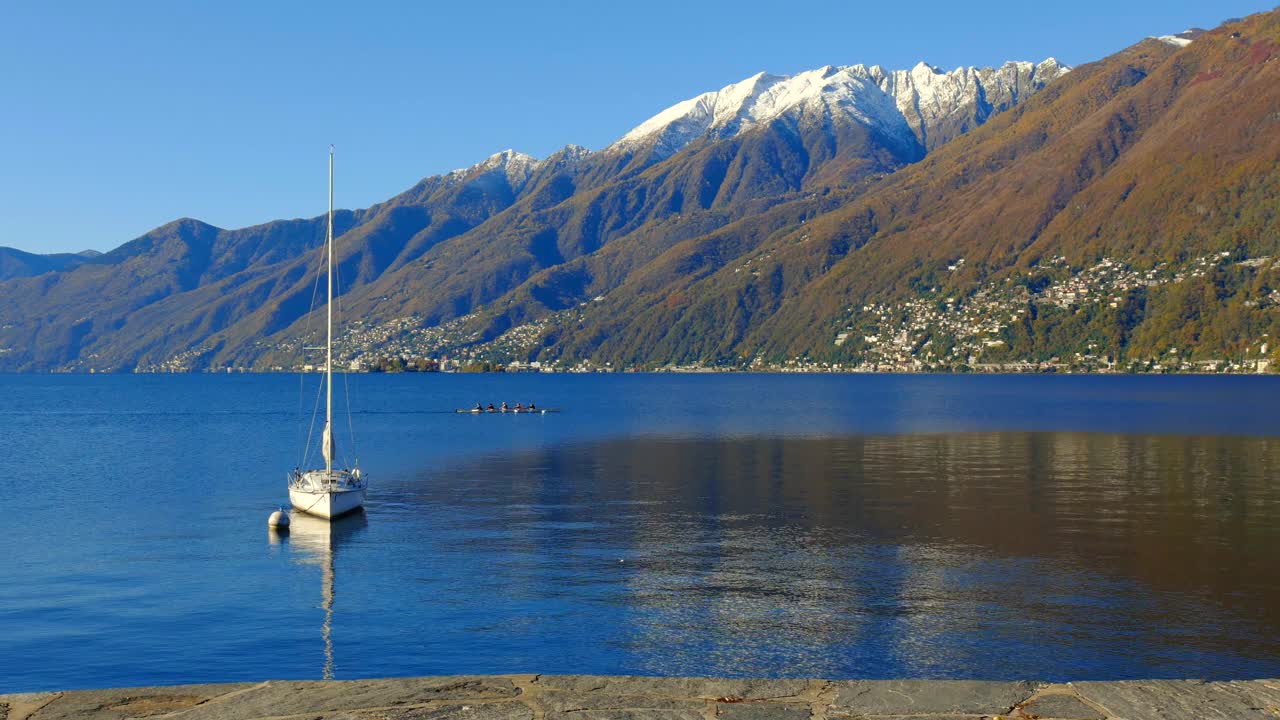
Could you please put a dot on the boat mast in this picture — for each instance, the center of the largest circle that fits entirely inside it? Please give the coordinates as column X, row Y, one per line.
column 328, row 351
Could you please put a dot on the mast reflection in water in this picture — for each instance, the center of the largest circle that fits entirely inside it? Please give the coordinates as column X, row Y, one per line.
column 315, row 541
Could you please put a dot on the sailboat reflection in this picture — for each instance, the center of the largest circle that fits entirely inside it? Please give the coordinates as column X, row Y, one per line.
column 318, row 540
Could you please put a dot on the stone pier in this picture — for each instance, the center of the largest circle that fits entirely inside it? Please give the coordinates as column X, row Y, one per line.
column 581, row 697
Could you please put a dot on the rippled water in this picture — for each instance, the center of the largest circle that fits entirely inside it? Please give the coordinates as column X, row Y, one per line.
column 872, row 527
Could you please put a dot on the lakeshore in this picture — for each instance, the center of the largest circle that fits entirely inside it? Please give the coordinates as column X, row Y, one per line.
column 594, row 697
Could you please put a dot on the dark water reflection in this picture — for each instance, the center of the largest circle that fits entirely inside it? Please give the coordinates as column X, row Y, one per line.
column 1053, row 555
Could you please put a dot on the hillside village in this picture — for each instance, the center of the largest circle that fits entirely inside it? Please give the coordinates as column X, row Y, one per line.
column 949, row 333
column 940, row 331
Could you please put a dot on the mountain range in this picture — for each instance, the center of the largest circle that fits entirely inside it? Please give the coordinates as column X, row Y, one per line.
column 1119, row 214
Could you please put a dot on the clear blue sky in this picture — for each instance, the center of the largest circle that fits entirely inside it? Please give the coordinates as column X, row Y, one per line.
column 118, row 117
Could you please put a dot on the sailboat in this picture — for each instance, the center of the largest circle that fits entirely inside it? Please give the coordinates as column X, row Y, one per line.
column 329, row 492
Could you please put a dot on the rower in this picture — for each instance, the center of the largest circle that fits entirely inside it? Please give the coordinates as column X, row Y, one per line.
column 519, row 407
column 491, row 409
column 532, row 407
column 504, row 407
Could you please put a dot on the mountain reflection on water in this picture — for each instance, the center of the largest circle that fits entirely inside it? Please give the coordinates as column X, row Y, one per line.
column 1048, row 555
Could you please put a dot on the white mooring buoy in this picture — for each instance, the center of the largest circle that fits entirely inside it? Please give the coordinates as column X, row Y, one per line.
column 279, row 520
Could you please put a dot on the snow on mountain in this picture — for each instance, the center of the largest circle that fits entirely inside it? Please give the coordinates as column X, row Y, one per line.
column 760, row 99
column 930, row 98
column 1185, row 37
column 516, row 167
column 566, row 156
column 920, row 108
column 895, row 102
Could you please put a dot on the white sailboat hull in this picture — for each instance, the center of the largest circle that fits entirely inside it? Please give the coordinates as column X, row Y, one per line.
column 326, row 503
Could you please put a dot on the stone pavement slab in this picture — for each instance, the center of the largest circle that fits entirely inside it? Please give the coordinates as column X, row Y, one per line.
column 636, row 698
column 709, row 688
column 629, row 714
column 762, row 711
column 23, row 705
column 927, row 697
column 273, row 699
column 1058, row 706
column 560, row 705
column 580, row 697
column 1192, row 699
column 120, row 704
column 489, row 711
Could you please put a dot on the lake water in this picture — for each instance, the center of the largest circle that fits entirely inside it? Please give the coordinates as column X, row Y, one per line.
column 740, row 525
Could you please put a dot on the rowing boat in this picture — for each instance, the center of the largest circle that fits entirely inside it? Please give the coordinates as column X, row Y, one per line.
column 509, row 411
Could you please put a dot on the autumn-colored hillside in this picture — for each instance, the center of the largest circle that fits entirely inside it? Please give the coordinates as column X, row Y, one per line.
column 1159, row 158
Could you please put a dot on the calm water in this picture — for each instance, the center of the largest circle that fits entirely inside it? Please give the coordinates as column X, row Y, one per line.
column 871, row 527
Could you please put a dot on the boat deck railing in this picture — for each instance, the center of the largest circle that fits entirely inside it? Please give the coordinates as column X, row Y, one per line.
column 334, row 481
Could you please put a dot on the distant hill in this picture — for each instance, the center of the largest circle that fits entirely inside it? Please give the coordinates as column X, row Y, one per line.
column 15, row 263
column 1122, row 215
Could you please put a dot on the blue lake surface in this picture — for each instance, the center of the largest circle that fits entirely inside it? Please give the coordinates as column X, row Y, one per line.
column 740, row 525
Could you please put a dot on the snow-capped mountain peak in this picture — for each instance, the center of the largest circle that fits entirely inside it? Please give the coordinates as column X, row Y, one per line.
column 516, row 167
column 508, row 160
column 911, row 111
column 895, row 102
column 681, row 123
column 573, row 152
